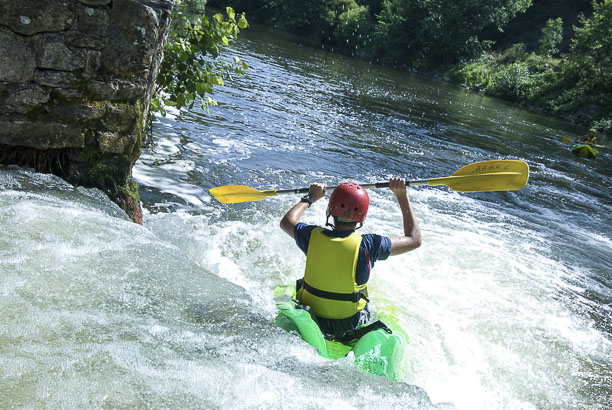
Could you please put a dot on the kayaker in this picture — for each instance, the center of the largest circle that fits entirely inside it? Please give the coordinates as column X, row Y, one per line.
column 338, row 260
column 590, row 138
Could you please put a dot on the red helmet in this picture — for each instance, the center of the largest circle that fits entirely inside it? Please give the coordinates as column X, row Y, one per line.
column 349, row 201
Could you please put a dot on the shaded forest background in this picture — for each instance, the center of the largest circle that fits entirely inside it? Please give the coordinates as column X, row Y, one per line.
column 553, row 56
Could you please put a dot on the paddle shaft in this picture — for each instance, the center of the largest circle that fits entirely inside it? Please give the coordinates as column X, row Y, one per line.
column 366, row 186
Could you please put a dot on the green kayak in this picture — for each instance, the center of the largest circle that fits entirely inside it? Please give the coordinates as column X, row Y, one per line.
column 379, row 351
column 584, row 150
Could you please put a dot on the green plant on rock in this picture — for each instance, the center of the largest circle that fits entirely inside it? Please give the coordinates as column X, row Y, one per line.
column 352, row 27
column 516, row 52
column 552, row 35
column 584, row 89
column 604, row 125
column 192, row 65
column 512, row 82
column 476, row 73
column 590, row 57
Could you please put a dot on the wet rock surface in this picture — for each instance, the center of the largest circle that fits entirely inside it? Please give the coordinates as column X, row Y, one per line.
column 78, row 75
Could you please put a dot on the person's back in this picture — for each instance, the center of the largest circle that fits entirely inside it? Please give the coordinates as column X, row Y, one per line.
column 590, row 138
column 339, row 261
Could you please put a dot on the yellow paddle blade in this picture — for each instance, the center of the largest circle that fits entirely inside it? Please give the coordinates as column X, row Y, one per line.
column 232, row 194
column 567, row 140
column 494, row 166
column 501, row 175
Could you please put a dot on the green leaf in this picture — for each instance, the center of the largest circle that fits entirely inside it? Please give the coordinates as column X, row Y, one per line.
column 201, row 89
column 191, row 68
column 242, row 22
column 230, row 13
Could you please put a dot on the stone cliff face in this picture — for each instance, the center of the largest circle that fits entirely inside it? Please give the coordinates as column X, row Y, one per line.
column 76, row 78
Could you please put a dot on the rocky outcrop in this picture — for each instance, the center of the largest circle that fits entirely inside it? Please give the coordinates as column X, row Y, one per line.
column 76, row 78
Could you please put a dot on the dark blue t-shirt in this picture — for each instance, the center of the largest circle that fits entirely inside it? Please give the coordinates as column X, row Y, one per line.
column 373, row 247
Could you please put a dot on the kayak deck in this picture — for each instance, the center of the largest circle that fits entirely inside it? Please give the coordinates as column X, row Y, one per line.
column 584, row 150
column 377, row 352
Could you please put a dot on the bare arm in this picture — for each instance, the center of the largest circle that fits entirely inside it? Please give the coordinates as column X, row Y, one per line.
column 293, row 216
column 412, row 234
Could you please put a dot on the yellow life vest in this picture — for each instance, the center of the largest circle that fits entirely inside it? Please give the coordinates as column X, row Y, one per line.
column 329, row 285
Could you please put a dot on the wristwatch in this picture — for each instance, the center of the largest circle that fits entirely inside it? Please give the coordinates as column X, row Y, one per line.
column 306, row 199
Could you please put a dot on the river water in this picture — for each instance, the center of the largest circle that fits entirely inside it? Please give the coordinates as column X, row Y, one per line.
column 507, row 303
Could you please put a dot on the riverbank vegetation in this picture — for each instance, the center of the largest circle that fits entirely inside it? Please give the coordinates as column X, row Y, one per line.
column 192, row 63
column 554, row 56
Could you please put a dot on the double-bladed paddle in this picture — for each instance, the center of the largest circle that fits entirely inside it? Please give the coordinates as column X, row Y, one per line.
column 500, row 175
column 568, row 140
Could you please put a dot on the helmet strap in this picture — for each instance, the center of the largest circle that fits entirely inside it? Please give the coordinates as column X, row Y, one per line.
column 327, row 223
